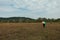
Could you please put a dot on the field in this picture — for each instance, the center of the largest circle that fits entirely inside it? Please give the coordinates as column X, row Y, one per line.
column 29, row 31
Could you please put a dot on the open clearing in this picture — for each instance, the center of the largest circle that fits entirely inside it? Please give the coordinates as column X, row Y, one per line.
column 29, row 31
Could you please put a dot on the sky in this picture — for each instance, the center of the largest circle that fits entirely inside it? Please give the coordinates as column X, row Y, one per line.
column 30, row 8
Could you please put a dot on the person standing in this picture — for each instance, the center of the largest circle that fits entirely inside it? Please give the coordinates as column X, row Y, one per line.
column 44, row 24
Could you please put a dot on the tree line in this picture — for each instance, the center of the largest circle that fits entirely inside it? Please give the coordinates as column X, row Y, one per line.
column 26, row 20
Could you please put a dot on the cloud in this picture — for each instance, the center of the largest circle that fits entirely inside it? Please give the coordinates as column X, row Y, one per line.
column 4, row 9
column 30, row 4
column 31, row 8
column 49, row 7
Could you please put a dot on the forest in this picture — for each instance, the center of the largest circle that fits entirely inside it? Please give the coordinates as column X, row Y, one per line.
column 26, row 20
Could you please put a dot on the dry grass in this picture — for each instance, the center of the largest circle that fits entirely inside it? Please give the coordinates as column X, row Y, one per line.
column 29, row 31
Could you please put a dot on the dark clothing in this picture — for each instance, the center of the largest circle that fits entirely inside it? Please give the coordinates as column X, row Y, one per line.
column 43, row 25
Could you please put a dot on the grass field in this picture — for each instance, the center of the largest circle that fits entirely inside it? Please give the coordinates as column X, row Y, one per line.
column 29, row 31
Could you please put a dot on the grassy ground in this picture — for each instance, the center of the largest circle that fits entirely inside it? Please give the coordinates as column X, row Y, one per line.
column 29, row 31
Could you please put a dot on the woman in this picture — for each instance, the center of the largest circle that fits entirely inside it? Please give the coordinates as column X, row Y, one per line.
column 44, row 24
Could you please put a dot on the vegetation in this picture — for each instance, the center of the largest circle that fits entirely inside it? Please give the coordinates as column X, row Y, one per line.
column 29, row 31
column 23, row 28
column 26, row 20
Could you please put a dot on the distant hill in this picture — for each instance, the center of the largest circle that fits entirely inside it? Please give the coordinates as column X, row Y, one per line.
column 26, row 20
column 16, row 19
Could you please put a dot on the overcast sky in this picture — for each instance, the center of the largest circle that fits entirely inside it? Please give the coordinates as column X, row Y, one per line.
column 30, row 8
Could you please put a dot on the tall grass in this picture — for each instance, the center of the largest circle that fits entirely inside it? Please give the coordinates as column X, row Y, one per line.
column 29, row 31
